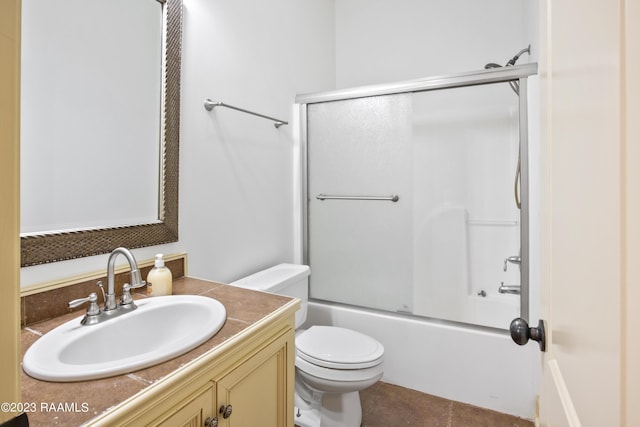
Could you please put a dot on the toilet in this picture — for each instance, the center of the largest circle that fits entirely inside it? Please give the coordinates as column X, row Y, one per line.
column 332, row 364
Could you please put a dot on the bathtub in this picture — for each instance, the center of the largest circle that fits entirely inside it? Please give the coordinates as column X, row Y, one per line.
column 467, row 364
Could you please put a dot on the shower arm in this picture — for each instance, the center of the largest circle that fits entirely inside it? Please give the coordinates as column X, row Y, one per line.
column 513, row 60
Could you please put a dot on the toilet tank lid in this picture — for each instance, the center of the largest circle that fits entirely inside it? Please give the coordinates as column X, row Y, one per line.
column 274, row 278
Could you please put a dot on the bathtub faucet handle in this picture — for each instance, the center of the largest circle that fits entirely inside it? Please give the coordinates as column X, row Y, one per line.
column 515, row 259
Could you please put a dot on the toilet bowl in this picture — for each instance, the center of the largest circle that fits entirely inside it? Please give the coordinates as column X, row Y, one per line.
column 335, row 360
column 332, row 364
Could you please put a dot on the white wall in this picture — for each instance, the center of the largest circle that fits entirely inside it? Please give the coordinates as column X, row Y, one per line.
column 379, row 41
column 236, row 172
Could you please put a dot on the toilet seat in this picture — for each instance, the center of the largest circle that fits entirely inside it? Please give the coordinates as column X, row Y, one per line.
column 338, row 348
column 334, row 379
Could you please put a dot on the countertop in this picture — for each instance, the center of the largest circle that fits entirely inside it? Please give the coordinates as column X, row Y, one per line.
column 76, row 403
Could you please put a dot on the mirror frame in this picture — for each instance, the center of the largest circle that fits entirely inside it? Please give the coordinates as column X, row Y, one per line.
column 77, row 243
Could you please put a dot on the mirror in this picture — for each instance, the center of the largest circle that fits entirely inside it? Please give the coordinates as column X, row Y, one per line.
column 147, row 125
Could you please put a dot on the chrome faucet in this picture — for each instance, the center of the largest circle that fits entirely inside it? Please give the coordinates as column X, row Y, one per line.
column 136, row 278
column 111, row 309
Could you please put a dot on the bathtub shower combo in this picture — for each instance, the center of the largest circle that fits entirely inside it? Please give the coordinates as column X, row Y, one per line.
column 417, row 206
column 413, row 206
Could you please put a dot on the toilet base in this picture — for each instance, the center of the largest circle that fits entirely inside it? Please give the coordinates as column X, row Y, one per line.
column 337, row 410
column 306, row 417
column 341, row 410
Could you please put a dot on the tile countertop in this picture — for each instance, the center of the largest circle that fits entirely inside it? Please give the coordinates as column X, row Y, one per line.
column 75, row 403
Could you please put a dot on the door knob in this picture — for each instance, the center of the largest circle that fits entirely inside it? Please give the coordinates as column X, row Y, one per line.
column 521, row 333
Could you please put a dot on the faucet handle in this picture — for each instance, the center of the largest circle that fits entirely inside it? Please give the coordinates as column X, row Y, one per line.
column 93, row 310
column 126, row 301
column 91, row 299
column 512, row 259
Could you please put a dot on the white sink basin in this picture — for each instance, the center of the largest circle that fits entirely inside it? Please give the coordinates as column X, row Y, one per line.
column 159, row 329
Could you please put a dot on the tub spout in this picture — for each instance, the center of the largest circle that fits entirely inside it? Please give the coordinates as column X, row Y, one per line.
column 509, row 289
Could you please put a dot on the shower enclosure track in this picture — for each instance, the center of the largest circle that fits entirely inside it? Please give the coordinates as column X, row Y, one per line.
column 516, row 73
column 480, row 77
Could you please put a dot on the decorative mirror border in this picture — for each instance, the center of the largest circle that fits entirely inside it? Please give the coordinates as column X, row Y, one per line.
column 64, row 245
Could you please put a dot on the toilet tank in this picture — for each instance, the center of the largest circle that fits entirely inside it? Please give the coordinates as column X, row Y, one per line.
column 291, row 280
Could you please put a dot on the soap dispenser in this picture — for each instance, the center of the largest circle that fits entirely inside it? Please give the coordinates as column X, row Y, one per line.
column 159, row 279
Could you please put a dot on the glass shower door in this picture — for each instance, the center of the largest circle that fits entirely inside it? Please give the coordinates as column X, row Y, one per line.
column 450, row 156
column 360, row 250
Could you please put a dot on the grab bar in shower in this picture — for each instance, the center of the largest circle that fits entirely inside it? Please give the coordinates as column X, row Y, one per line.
column 210, row 104
column 394, row 198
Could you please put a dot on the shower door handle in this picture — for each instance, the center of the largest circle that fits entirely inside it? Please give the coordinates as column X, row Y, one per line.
column 393, row 198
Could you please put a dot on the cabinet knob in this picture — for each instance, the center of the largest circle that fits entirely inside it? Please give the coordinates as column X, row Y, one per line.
column 211, row 422
column 226, row 411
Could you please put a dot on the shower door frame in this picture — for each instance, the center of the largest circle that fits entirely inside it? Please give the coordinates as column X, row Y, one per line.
column 518, row 73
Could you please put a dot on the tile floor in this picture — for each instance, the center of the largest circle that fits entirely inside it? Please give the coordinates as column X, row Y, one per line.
column 385, row 405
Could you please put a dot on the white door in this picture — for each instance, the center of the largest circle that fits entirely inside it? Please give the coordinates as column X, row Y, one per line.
column 590, row 73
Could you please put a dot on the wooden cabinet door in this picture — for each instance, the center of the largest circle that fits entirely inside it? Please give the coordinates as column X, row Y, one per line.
column 256, row 390
column 192, row 413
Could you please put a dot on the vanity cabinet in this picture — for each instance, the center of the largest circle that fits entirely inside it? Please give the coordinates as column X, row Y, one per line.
column 254, row 393
column 246, row 381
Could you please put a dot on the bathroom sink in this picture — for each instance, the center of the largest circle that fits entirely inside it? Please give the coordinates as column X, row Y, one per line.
column 159, row 329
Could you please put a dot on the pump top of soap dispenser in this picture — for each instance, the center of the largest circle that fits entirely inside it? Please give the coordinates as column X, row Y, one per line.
column 159, row 261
